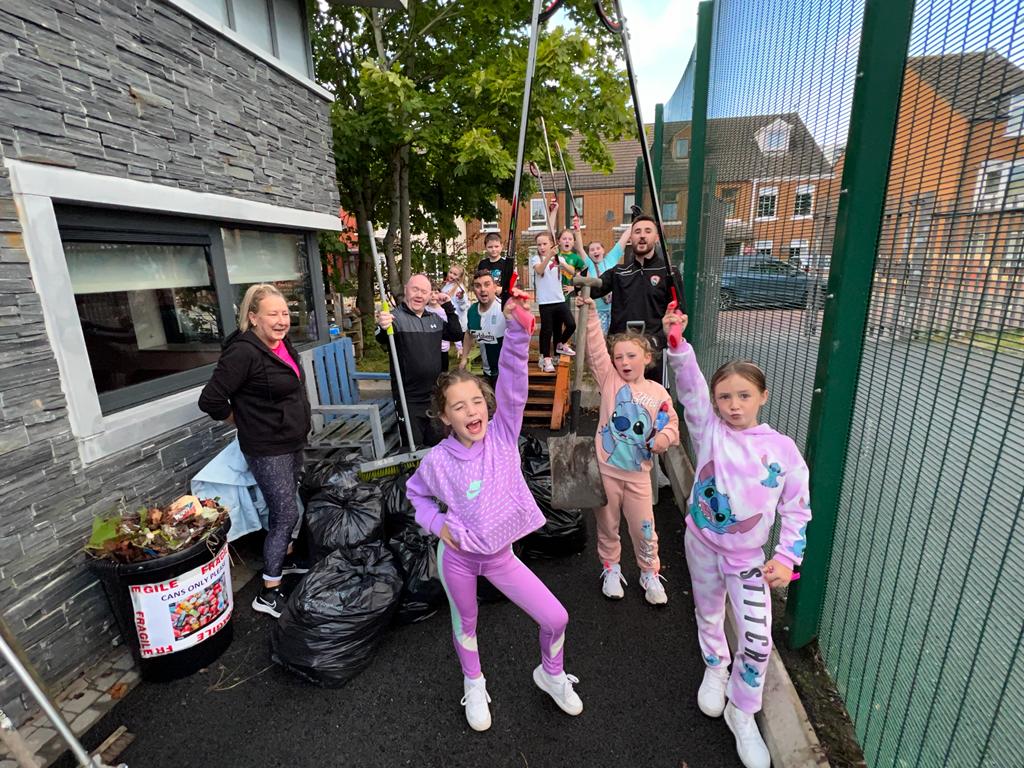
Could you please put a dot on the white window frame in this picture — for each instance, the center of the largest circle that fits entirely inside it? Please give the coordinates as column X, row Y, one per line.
column 534, row 226
column 224, row 30
column 35, row 189
column 675, row 147
column 803, row 189
column 803, row 245
column 764, row 245
column 1014, row 243
column 772, row 192
column 735, row 203
column 1015, row 116
column 998, row 199
column 669, row 219
column 631, row 197
column 492, row 226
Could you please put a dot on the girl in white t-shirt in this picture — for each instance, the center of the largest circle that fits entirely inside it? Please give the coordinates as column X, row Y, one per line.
column 556, row 322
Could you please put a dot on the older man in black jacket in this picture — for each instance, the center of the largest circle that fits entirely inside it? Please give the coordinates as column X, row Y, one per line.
column 418, row 336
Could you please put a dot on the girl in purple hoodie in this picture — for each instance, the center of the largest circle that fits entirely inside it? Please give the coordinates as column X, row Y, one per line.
column 746, row 475
column 476, row 473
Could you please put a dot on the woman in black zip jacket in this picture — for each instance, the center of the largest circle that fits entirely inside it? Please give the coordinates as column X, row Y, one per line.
column 259, row 387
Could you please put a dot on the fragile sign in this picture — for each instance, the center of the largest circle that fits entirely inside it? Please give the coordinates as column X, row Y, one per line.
column 179, row 613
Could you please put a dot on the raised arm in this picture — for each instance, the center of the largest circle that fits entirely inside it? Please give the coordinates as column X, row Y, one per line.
column 467, row 346
column 513, row 379
column 598, row 359
column 691, row 389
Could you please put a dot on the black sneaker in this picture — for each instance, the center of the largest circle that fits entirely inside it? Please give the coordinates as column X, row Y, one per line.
column 294, row 566
column 270, row 601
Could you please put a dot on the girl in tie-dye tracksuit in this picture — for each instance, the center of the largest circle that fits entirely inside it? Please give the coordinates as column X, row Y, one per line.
column 746, row 473
column 476, row 473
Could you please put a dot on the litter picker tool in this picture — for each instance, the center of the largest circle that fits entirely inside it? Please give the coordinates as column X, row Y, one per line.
column 575, row 475
column 618, row 26
column 541, row 13
column 394, row 464
column 568, row 184
column 535, row 172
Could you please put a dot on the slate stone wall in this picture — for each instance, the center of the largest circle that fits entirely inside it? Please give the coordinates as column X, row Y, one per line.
column 134, row 89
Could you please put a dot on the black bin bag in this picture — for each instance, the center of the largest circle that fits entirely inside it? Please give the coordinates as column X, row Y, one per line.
column 333, row 621
column 416, row 550
column 351, row 523
column 331, row 479
column 565, row 532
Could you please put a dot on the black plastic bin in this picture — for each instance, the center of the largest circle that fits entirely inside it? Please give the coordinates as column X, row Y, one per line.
column 200, row 611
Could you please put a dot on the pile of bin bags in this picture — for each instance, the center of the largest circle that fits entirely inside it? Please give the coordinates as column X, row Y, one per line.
column 374, row 565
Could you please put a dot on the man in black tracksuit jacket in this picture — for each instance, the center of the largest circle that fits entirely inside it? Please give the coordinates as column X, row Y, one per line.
column 641, row 289
column 418, row 336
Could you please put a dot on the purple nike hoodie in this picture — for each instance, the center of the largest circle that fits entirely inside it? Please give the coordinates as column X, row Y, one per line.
column 489, row 504
column 743, row 477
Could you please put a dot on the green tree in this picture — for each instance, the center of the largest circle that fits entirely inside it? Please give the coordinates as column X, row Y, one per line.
column 427, row 107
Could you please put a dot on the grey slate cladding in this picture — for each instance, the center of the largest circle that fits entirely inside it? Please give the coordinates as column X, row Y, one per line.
column 135, row 90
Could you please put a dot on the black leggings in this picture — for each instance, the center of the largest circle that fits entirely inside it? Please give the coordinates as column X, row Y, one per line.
column 277, row 478
column 555, row 322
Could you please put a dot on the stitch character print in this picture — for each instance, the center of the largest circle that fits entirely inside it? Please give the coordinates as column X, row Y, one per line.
column 624, row 437
column 710, row 509
column 774, row 473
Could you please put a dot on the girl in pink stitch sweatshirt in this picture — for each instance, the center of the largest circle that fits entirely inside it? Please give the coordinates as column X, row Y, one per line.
column 476, row 473
column 637, row 422
column 746, row 474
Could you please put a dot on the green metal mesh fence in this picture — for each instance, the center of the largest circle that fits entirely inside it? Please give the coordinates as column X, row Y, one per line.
column 921, row 625
column 922, row 622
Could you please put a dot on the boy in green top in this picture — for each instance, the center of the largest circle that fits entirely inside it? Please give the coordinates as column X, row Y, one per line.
column 485, row 325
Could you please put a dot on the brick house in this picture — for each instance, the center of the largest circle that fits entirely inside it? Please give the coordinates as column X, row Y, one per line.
column 769, row 171
column 954, row 216
column 156, row 157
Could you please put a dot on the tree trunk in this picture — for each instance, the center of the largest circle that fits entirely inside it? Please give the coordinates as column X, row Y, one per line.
column 406, row 224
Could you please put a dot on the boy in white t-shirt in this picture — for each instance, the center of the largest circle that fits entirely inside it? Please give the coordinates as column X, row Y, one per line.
column 485, row 325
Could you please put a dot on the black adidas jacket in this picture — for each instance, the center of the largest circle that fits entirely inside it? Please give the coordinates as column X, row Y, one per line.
column 640, row 291
column 418, row 341
column 262, row 391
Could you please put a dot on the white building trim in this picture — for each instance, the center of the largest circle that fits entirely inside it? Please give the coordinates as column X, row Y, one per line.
column 35, row 188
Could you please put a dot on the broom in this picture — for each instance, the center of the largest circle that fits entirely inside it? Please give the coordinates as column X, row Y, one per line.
column 392, row 465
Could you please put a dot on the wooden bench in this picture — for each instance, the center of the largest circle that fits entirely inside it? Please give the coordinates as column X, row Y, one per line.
column 340, row 419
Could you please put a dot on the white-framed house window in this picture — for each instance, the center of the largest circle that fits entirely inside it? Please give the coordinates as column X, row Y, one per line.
column 628, row 201
column 491, row 226
column 681, row 148
column 803, row 202
column 763, row 248
column 139, row 283
column 729, row 197
column 578, row 201
column 1015, row 116
column 538, row 214
column 1013, row 255
column 277, row 31
column 798, row 250
column 1000, row 185
column 767, row 203
column 774, row 137
column 670, row 212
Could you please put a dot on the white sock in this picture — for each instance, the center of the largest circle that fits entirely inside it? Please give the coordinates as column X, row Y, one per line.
column 474, row 681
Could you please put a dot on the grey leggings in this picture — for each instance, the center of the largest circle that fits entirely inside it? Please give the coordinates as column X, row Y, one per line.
column 277, row 478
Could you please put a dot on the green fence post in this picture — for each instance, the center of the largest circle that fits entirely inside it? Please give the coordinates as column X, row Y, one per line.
column 881, row 61
column 695, row 179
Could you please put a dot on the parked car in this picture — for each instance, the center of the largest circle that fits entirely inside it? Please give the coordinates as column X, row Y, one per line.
column 762, row 281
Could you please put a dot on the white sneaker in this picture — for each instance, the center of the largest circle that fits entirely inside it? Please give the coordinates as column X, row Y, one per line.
column 612, row 581
column 475, row 701
column 749, row 744
column 559, row 688
column 565, row 349
column 540, row 364
column 711, row 695
column 653, row 591
column 547, row 366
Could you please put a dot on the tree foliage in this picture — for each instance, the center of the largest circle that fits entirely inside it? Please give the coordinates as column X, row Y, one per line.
column 427, row 108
